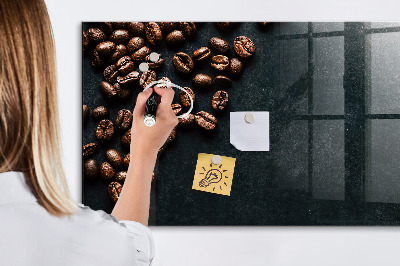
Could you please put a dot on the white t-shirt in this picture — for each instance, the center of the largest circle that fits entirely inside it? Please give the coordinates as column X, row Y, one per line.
column 29, row 235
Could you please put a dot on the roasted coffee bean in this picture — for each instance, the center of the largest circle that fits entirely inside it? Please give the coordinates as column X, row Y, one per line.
column 127, row 160
column 106, row 27
column 121, row 176
column 114, row 190
column 172, row 135
column 147, row 77
column 220, row 62
column 135, row 44
column 105, row 130
column 85, row 41
column 177, row 108
column 243, row 46
column 107, row 172
column 89, row 149
column 96, row 36
column 100, row 113
column 205, row 120
column 124, row 94
column 222, row 82
column 114, row 158
column 175, row 39
column 140, row 55
column 183, row 62
column 120, row 51
column 219, row 46
column 91, row 169
column 96, row 60
column 136, row 28
column 126, row 140
column 125, row 65
column 120, row 36
column 202, row 54
column 155, row 65
column 186, row 121
column 110, row 73
column 105, row 48
column 167, row 27
column 235, row 67
column 118, row 25
column 153, row 33
column 219, row 100
column 124, row 119
column 128, row 80
column 188, row 29
column 202, row 81
column 223, row 26
column 85, row 113
column 108, row 90
column 185, row 99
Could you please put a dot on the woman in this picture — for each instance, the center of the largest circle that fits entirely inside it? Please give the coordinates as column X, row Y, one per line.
column 39, row 222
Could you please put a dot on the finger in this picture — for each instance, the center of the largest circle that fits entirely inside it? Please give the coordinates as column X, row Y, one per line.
column 141, row 102
column 167, row 96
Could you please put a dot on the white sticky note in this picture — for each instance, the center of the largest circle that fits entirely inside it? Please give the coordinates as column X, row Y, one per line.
column 246, row 136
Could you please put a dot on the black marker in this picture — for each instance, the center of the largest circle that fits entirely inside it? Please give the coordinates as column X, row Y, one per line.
column 151, row 109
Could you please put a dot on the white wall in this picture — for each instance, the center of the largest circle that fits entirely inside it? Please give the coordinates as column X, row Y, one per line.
column 221, row 245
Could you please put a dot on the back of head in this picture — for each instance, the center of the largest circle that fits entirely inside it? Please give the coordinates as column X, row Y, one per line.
column 29, row 122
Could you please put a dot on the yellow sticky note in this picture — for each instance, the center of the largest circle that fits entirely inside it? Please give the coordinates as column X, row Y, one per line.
column 214, row 178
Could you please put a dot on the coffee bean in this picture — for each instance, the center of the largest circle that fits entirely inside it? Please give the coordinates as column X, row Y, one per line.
column 205, row 120
column 100, row 113
column 108, row 90
column 235, row 67
column 124, row 94
column 91, row 169
column 135, row 44
column 129, row 80
column 89, row 149
column 183, row 62
column 106, row 27
column 153, row 33
column 121, row 176
column 219, row 100
column 140, row 55
column 96, row 60
column 223, row 26
column 105, row 48
column 105, row 130
column 124, row 119
column 222, row 82
column 219, row 46
column 125, row 65
column 243, row 46
column 119, row 36
column 85, row 113
column 85, row 41
column 136, row 28
column 118, row 25
column 186, row 121
column 114, row 158
column 120, row 51
column 96, row 36
column 127, row 160
column 202, row 81
column 114, row 190
column 172, row 135
column 185, row 99
column 167, row 27
column 175, row 39
column 147, row 78
column 202, row 54
column 110, row 73
column 188, row 30
column 177, row 108
column 155, row 65
column 107, row 172
column 220, row 62
column 126, row 140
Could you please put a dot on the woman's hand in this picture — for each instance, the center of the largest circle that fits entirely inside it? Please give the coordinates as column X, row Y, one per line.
column 150, row 139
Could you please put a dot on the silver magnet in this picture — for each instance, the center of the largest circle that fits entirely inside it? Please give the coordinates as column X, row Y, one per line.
column 216, row 159
column 249, row 118
column 144, row 67
column 154, row 57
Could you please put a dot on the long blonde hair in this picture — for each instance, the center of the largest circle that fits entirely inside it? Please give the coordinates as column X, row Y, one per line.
column 29, row 121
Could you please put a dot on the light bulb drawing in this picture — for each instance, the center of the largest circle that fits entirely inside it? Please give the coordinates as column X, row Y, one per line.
column 213, row 176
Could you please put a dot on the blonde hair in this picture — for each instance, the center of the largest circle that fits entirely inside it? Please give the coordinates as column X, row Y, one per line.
column 29, row 122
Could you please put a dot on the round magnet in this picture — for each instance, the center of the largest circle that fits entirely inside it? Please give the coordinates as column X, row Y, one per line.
column 154, row 57
column 249, row 118
column 144, row 67
column 216, row 159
